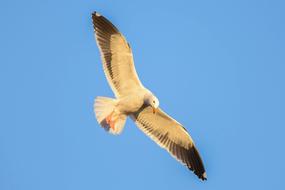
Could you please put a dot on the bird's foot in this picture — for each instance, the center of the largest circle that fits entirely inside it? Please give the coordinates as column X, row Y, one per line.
column 110, row 121
column 109, row 118
column 112, row 124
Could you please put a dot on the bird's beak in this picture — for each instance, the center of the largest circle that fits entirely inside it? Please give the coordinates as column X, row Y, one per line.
column 154, row 110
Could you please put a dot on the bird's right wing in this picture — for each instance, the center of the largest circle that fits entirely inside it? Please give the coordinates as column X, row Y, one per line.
column 172, row 136
column 116, row 56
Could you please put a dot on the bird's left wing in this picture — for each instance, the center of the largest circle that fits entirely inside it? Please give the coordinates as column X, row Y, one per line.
column 116, row 56
column 172, row 136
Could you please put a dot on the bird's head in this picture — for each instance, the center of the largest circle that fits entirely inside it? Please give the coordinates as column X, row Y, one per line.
column 152, row 101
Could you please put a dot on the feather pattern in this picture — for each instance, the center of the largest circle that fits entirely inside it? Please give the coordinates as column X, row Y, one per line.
column 116, row 56
column 170, row 135
column 120, row 72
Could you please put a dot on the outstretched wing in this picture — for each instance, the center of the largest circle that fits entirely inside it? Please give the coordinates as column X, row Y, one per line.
column 116, row 56
column 172, row 136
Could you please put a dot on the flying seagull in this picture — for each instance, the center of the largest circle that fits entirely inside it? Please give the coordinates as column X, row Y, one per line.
column 136, row 101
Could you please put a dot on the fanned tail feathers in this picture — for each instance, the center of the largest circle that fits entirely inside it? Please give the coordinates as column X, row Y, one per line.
column 107, row 115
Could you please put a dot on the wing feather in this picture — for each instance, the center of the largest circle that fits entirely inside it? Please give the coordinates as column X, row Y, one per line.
column 116, row 56
column 172, row 136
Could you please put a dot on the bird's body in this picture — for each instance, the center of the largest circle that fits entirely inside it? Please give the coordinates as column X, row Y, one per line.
column 132, row 102
column 136, row 101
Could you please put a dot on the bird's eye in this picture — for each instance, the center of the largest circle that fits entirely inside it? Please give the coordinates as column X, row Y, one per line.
column 153, row 101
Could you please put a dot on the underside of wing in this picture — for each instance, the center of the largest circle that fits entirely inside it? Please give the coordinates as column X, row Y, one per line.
column 172, row 136
column 116, row 56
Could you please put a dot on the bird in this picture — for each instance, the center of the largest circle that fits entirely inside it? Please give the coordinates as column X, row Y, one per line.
column 134, row 100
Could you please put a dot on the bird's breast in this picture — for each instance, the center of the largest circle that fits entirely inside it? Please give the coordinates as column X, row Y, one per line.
column 130, row 104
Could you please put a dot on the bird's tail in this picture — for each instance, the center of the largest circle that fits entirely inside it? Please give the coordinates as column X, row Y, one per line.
column 108, row 116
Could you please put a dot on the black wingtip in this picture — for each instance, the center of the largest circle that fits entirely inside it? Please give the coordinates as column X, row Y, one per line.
column 203, row 177
column 196, row 163
column 96, row 14
column 103, row 24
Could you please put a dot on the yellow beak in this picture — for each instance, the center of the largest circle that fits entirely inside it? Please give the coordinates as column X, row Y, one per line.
column 154, row 110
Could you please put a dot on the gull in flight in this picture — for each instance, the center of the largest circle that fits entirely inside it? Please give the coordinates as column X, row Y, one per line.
column 136, row 101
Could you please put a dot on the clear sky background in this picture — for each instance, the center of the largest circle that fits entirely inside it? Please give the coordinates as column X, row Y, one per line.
column 218, row 67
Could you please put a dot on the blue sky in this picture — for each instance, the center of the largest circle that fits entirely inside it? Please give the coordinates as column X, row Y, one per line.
column 216, row 66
